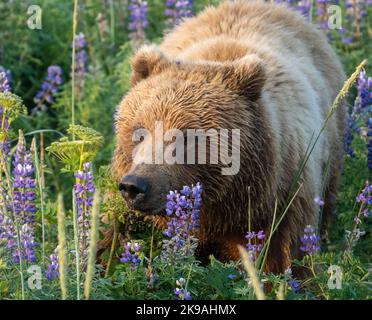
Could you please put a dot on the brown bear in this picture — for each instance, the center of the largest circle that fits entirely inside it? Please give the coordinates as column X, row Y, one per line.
column 253, row 66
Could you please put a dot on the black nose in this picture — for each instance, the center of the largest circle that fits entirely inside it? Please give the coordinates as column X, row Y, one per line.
column 131, row 186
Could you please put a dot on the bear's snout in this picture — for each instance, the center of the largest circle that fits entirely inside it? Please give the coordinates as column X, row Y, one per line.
column 134, row 188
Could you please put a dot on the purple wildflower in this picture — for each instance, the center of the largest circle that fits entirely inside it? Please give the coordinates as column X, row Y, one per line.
column 295, row 285
column 49, row 88
column 131, row 255
column 362, row 105
column 303, row 6
column 176, row 10
column 322, row 15
column 81, row 58
column 180, row 291
column 319, row 201
column 365, row 196
column 53, row 267
column 4, row 130
column 4, row 82
column 310, row 241
column 84, row 190
column 183, row 209
column 7, row 230
column 138, row 21
column 369, row 146
column 255, row 243
column 23, row 207
column 355, row 11
column 4, row 121
column 365, row 200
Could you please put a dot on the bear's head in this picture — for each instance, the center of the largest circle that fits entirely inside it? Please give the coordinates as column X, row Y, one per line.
column 169, row 100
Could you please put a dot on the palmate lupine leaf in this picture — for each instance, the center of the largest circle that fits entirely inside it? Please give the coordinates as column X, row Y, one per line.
column 73, row 153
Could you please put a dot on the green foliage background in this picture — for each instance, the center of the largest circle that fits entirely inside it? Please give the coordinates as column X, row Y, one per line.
column 28, row 53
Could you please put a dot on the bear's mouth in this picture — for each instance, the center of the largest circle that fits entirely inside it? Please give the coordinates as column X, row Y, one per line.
column 147, row 210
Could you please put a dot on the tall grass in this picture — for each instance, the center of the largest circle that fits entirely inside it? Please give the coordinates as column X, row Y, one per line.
column 92, row 245
column 62, row 256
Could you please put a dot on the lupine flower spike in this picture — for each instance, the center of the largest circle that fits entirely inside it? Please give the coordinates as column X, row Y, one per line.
column 84, row 190
column 24, row 196
column 183, row 209
column 4, row 82
column 53, row 267
column 362, row 108
column 176, row 10
column 138, row 21
column 255, row 243
column 180, row 291
column 310, row 241
column 365, row 201
column 131, row 255
column 49, row 88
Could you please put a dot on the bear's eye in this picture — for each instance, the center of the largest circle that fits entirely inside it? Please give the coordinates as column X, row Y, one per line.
column 138, row 134
column 138, row 141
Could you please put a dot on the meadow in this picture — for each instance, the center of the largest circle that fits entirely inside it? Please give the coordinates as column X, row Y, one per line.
column 64, row 67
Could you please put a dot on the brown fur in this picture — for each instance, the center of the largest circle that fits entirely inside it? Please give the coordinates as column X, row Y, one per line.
column 253, row 66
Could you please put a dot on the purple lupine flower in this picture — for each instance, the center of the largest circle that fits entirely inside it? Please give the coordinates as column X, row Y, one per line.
column 131, row 255
column 302, row 6
column 369, row 136
column 4, row 130
column 137, row 21
column 310, row 241
column 319, row 201
column 49, row 88
column 180, row 291
column 84, row 190
column 255, row 243
column 23, row 207
column 355, row 11
column 53, row 266
column 322, row 13
column 171, row 12
column 176, row 10
column 183, row 209
column 4, row 121
column 365, row 200
column 4, row 82
column 81, row 58
column 295, row 285
column 365, row 197
column 364, row 98
column 362, row 106
column 7, row 230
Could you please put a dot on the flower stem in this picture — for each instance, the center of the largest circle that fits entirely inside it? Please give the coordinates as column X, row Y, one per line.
column 74, row 26
column 41, row 194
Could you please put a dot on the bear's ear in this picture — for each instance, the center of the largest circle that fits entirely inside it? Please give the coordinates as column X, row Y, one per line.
column 148, row 60
column 246, row 76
